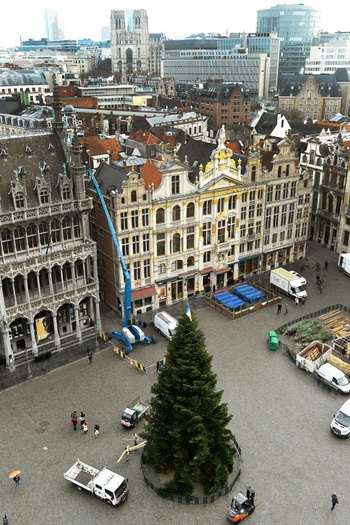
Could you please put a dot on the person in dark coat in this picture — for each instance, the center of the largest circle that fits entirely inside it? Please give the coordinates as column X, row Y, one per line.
column 335, row 500
column 279, row 308
column 74, row 419
column 326, row 265
column 16, row 479
column 82, row 420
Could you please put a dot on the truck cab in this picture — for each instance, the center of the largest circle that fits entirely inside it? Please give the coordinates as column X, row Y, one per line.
column 111, row 487
column 130, row 416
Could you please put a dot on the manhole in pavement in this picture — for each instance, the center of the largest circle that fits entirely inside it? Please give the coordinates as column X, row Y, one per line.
column 40, row 430
column 44, row 424
column 159, row 515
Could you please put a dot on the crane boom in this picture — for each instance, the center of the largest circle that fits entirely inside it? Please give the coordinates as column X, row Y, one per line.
column 127, row 283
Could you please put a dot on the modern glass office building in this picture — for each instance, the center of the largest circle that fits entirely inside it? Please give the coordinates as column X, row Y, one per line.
column 298, row 27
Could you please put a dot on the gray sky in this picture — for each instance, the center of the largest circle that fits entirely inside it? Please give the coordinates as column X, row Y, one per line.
column 23, row 19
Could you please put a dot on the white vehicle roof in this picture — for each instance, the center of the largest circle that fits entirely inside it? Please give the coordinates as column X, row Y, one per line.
column 109, row 480
column 167, row 318
column 129, row 411
column 331, row 369
column 345, row 408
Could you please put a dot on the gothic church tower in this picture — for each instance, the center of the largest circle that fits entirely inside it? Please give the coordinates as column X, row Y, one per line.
column 130, row 42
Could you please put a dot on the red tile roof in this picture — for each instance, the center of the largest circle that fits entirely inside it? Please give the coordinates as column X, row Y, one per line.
column 145, row 137
column 150, row 174
column 97, row 146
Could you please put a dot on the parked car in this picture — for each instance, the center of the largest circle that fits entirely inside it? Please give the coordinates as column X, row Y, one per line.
column 299, row 276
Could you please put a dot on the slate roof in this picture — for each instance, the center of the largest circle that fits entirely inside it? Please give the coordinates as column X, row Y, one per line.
column 28, row 152
column 342, row 75
column 109, row 177
column 220, row 91
column 197, row 153
column 265, row 124
column 291, row 84
column 22, row 77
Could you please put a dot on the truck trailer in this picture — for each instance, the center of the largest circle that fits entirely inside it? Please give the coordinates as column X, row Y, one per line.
column 344, row 263
column 104, row 483
column 288, row 283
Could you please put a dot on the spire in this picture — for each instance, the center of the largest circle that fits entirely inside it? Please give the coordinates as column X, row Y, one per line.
column 57, row 107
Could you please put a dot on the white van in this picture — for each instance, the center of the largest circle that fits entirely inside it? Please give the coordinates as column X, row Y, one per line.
column 334, row 377
column 340, row 425
column 165, row 324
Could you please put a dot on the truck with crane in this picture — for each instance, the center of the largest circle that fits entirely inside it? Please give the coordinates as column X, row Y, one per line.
column 130, row 333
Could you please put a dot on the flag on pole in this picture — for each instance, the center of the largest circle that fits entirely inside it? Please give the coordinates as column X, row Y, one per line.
column 188, row 312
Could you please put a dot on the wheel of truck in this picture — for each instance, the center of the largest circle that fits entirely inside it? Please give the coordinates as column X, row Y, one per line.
column 109, row 501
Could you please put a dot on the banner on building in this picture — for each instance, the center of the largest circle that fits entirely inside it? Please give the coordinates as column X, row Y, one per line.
column 41, row 329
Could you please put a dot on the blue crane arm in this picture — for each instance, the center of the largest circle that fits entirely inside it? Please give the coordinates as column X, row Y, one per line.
column 127, row 288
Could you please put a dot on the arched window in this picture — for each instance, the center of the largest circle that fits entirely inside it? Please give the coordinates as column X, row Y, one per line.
column 19, row 200
column 66, row 192
column 176, row 243
column 279, row 173
column 312, row 157
column 44, row 196
column 55, row 230
column 176, row 213
column 190, row 210
column 7, row 241
column 67, row 228
column 253, row 173
column 287, row 170
column 160, row 216
column 335, row 160
column 20, row 238
column 190, row 261
column 76, row 227
column 44, row 233
column 32, row 235
column 133, row 196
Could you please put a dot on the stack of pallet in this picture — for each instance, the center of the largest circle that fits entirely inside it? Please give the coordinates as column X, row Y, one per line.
column 337, row 322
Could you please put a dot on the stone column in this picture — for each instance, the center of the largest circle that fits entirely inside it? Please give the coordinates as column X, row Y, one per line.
column 77, row 324
column 55, row 329
column 32, row 335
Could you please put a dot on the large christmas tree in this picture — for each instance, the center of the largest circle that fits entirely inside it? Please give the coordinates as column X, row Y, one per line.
column 187, row 434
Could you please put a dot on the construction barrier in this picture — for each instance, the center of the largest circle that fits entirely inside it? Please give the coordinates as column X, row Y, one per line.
column 132, row 362
column 103, row 336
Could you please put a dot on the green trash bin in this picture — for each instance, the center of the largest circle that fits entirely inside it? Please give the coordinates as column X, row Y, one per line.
column 273, row 340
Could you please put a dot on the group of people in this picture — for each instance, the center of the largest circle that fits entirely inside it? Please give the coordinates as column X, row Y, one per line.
column 300, row 301
column 84, row 425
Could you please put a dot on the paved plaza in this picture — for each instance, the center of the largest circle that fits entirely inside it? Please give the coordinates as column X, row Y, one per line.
column 281, row 420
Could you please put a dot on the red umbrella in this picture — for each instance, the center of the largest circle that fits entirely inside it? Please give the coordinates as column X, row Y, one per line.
column 14, row 473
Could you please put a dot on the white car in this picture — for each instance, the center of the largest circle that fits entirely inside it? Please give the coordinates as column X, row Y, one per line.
column 303, row 280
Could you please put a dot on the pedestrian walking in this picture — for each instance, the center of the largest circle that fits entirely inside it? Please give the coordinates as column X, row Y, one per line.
column 318, row 279
column 286, row 309
column 85, row 427
column 96, row 431
column 279, row 308
column 89, row 354
column 296, row 301
column 335, row 500
column 135, row 438
column 157, row 367
column 320, row 286
column 5, row 520
column 127, row 453
column 326, row 265
column 82, row 419
column 74, row 419
column 17, row 479
column 303, row 302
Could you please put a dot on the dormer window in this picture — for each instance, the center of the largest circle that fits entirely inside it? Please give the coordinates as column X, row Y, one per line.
column 44, row 196
column 19, row 200
column 66, row 193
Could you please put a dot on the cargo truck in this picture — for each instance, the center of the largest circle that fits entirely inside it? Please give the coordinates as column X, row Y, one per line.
column 288, row 283
column 344, row 263
column 104, row 483
column 134, row 412
column 165, row 324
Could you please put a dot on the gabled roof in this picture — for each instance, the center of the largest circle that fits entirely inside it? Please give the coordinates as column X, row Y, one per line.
column 146, row 137
column 151, row 174
column 97, row 146
column 342, row 75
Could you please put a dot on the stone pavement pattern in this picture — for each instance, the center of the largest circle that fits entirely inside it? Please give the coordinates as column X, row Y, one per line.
column 281, row 419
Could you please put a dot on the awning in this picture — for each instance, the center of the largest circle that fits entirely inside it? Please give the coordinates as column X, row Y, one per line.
column 278, row 249
column 144, row 292
column 206, row 270
column 223, row 270
column 187, row 275
column 250, row 258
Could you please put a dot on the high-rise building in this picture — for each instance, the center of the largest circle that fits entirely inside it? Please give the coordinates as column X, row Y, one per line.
column 298, row 27
column 52, row 29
